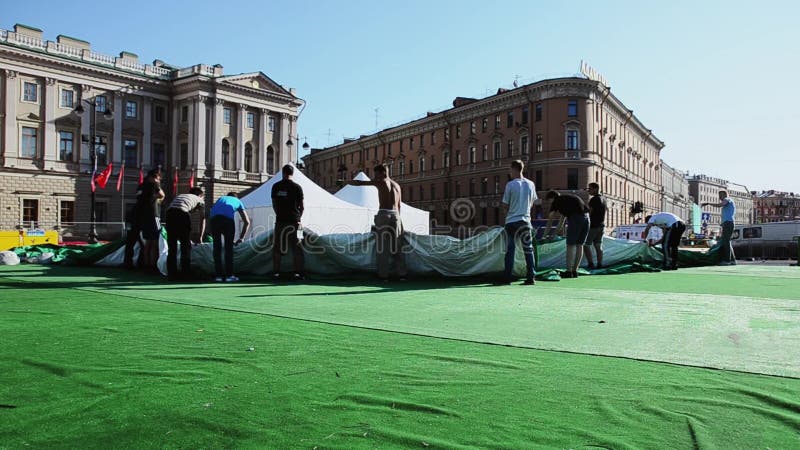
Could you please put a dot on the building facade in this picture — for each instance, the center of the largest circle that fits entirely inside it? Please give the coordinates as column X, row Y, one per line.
column 455, row 163
column 705, row 189
column 776, row 206
column 675, row 196
column 63, row 106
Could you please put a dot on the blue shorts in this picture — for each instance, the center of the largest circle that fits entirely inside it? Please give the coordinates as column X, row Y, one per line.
column 577, row 229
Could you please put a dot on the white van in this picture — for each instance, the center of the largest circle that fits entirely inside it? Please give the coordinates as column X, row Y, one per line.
column 774, row 240
column 634, row 232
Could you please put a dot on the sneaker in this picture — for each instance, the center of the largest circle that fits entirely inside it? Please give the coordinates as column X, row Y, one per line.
column 276, row 276
column 566, row 274
column 574, row 274
column 219, row 279
column 529, row 282
column 298, row 277
column 232, row 279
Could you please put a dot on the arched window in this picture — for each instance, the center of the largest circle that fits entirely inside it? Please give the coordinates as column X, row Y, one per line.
column 248, row 157
column 270, row 160
column 226, row 154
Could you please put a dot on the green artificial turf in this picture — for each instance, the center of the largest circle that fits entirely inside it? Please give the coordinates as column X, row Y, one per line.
column 87, row 363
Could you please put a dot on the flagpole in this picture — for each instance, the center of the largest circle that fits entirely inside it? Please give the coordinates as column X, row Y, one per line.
column 122, row 199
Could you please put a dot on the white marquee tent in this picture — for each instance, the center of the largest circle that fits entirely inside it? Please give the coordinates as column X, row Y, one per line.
column 414, row 220
column 323, row 214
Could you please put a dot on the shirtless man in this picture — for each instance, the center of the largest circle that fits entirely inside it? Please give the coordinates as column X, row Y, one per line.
column 388, row 227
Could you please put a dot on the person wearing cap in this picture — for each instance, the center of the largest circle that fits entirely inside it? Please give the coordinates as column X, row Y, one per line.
column 179, row 229
column 224, row 227
column 144, row 221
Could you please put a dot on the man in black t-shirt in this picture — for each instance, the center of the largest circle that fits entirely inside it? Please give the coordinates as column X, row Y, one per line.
column 576, row 214
column 597, row 219
column 287, row 201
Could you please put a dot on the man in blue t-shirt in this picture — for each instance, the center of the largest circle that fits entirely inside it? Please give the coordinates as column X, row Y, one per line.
column 518, row 199
column 726, row 256
column 223, row 226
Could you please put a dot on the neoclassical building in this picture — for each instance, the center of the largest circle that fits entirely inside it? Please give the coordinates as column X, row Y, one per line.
column 569, row 131
column 675, row 196
column 60, row 101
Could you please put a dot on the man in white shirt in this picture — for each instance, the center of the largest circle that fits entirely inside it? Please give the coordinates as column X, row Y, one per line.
column 673, row 229
column 518, row 199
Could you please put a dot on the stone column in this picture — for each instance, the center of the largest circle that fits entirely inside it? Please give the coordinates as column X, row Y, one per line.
column 84, row 151
column 174, row 151
column 147, row 122
column 216, row 136
column 116, row 155
column 50, row 143
column 190, row 138
column 286, row 134
column 200, row 133
column 10, row 144
column 262, row 140
column 240, row 121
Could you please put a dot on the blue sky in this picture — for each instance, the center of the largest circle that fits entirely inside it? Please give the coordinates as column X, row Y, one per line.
column 714, row 79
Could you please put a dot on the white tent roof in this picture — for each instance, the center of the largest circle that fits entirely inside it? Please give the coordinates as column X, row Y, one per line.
column 323, row 213
column 414, row 219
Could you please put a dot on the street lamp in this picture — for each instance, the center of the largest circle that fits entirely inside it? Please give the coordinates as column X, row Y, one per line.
column 290, row 143
column 79, row 110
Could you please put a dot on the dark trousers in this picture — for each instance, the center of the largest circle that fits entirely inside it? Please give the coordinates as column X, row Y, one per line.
column 179, row 227
column 223, row 228
column 131, row 238
column 725, row 249
column 285, row 239
column 672, row 239
column 519, row 230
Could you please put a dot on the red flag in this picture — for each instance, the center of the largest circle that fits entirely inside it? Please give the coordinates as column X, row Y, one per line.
column 121, row 174
column 141, row 175
column 191, row 180
column 101, row 179
column 175, row 182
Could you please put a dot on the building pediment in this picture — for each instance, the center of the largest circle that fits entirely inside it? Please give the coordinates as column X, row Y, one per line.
column 256, row 80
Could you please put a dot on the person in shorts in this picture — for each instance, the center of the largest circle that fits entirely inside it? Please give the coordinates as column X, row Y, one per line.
column 148, row 206
column 575, row 213
column 597, row 226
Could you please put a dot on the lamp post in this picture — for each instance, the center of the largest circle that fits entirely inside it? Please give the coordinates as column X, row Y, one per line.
column 79, row 110
column 290, row 143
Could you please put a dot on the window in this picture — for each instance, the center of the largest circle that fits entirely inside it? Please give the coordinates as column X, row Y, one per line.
column 100, row 103
column 447, row 134
column 458, row 157
column 401, row 146
column 484, row 152
column 472, row 155
column 446, row 158
column 422, row 193
column 497, row 184
column 65, row 143
column 510, row 148
column 410, row 167
column 538, row 112
column 433, row 137
column 271, row 124
column 411, row 143
column 184, row 114
column 472, row 186
column 101, row 150
column 66, row 210
column 30, row 142
column 248, row 157
column 131, row 109
column 30, row 212
column 433, row 192
column 184, row 156
column 446, row 189
column 158, row 154
column 251, row 120
column 539, row 143
column 226, row 116
column 458, row 131
column 525, row 114
column 402, row 168
column 422, row 165
column 572, row 139
column 270, row 160
column 67, row 98
column 472, row 127
column 160, row 114
column 497, row 121
column 484, row 124
column 510, row 119
column 496, row 149
column 572, row 108
column 523, row 143
column 30, row 92
column 458, row 189
column 484, row 186
column 131, row 153
column 572, row 178
column 410, row 194
column 538, row 181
